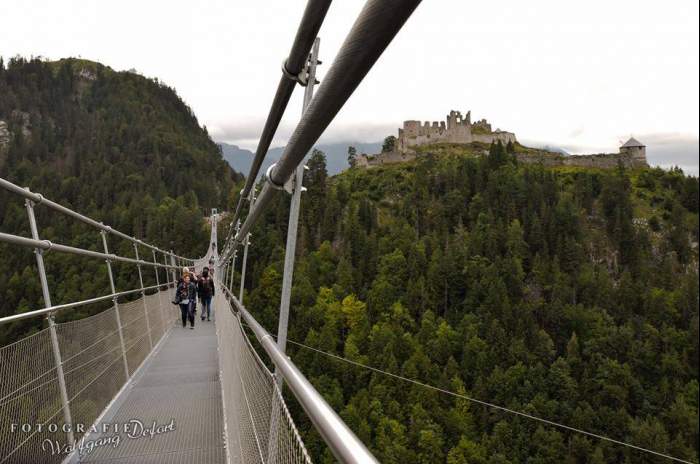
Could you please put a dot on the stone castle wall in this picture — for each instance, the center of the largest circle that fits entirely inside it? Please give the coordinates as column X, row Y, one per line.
column 455, row 129
column 600, row 161
column 392, row 157
column 548, row 159
column 503, row 136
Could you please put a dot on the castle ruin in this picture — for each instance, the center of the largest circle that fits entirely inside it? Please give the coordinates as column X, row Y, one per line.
column 636, row 150
column 455, row 129
column 632, row 154
column 460, row 130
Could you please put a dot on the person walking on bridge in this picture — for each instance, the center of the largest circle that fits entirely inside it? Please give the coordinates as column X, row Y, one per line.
column 194, row 278
column 205, row 289
column 185, row 295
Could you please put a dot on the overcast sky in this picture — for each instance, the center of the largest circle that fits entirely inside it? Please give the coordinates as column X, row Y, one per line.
column 579, row 75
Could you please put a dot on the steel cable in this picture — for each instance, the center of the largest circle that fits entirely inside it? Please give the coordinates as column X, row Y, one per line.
column 490, row 405
column 311, row 21
column 374, row 29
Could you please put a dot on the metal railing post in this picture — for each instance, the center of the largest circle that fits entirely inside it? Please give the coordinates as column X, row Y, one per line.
column 289, row 252
column 245, row 259
column 143, row 295
column 168, row 273
column 233, row 269
column 174, row 269
column 293, row 226
column 160, row 290
column 233, row 263
column 39, row 253
column 245, row 251
column 116, row 304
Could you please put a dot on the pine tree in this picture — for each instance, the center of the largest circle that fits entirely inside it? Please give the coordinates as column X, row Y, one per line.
column 352, row 152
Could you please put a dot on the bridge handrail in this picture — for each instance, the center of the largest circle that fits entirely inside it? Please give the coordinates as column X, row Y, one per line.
column 48, row 245
column 75, row 304
column 343, row 443
column 39, row 199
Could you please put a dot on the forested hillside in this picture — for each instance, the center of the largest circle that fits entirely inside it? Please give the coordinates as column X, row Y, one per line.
column 115, row 146
column 569, row 294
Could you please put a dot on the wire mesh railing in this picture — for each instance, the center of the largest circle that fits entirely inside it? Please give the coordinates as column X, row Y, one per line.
column 55, row 384
column 252, row 399
column 30, row 400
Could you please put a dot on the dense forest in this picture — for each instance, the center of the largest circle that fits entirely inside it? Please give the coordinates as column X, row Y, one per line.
column 570, row 294
column 114, row 146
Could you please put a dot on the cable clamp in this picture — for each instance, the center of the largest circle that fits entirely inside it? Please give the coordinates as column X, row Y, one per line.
column 300, row 78
column 287, row 186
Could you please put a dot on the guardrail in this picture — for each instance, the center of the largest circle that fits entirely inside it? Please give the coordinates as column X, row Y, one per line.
column 38, row 199
column 52, row 339
column 343, row 443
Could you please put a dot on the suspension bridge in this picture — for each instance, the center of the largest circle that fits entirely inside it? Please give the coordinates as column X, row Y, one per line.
column 129, row 384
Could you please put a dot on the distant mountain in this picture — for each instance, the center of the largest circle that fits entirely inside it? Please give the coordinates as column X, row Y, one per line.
column 238, row 158
column 241, row 159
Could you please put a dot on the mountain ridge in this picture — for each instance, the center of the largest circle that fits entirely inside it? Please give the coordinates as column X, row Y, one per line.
column 240, row 159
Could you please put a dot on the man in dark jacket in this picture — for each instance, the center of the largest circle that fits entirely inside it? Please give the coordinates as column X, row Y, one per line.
column 206, row 291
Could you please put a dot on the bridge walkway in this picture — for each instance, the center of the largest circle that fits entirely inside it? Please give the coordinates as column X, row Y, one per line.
column 178, row 383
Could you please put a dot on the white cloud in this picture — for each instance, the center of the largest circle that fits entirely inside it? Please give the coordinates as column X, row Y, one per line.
column 582, row 74
column 246, row 135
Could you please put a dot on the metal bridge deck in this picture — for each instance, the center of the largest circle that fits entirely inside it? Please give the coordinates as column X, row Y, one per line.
column 179, row 382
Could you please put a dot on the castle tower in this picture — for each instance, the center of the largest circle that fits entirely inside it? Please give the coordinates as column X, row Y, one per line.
column 453, row 119
column 636, row 150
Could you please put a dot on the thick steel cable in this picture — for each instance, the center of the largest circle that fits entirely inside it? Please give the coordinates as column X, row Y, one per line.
column 311, row 21
column 374, row 29
column 487, row 404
